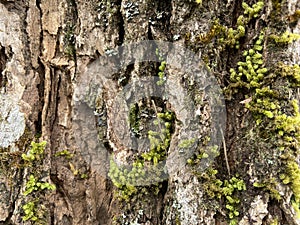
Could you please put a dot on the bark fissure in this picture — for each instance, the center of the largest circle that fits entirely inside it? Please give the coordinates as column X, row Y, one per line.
column 41, row 94
column 121, row 27
column 3, row 60
column 26, row 40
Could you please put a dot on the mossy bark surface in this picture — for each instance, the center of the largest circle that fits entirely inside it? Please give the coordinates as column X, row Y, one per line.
column 251, row 48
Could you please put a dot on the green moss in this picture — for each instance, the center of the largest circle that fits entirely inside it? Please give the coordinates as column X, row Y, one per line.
column 30, row 211
column 227, row 190
column 33, row 185
column 277, row 115
column 274, row 222
column 36, row 152
column 161, row 68
column 267, row 108
column 186, row 143
column 160, row 142
column 291, row 72
column 215, row 30
column 204, row 153
column 292, row 177
column 269, row 185
column 230, row 187
column 65, row 153
column 146, row 169
column 285, row 38
column 253, row 11
column 33, row 211
column 232, row 36
column 250, row 73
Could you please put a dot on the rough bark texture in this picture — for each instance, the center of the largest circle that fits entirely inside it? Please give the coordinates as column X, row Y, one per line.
column 46, row 47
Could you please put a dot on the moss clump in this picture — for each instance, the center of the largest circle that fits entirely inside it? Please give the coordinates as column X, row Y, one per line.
column 33, row 210
column 148, row 167
column 264, row 104
column 292, row 177
column 227, row 191
column 285, row 38
column 269, row 185
column 160, row 142
column 253, row 12
column 65, row 153
column 272, row 109
column 186, row 143
column 30, row 211
column 33, row 185
column 268, row 98
column 161, row 68
column 291, row 72
column 215, row 30
column 36, row 152
column 204, row 153
column 250, row 72
column 161, row 73
column 130, row 180
column 232, row 36
column 289, row 125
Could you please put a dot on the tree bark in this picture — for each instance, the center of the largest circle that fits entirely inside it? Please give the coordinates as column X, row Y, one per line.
column 50, row 60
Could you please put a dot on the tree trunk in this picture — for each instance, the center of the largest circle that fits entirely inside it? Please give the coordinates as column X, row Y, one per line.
column 87, row 132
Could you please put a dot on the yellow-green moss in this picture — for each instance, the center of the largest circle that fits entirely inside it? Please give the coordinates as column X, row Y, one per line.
column 33, row 210
column 271, row 108
column 146, row 169
column 269, row 185
column 285, row 38
column 36, row 152
column 228, row 190
column 292, row 177
column 161, row 68
column 251, row 72
column 274, row 222
column 65, row 153
column 232, row 36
